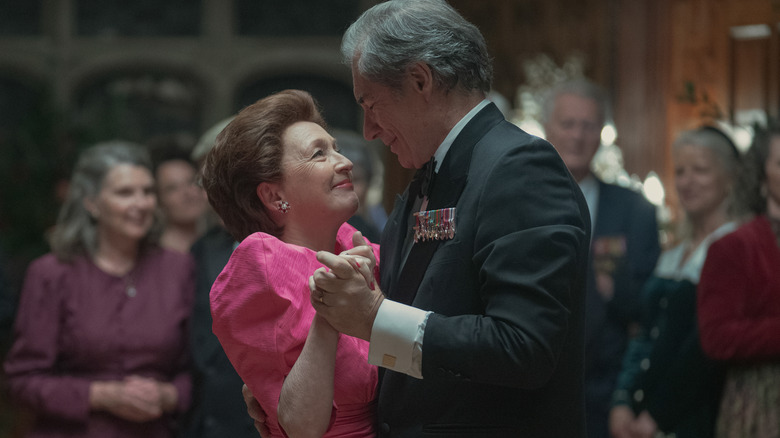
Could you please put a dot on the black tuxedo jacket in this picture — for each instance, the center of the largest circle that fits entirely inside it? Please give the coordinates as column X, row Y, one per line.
column 503, row 350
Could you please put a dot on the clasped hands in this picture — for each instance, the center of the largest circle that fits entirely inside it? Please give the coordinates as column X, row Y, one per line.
column 344, row 292
column 138, row 399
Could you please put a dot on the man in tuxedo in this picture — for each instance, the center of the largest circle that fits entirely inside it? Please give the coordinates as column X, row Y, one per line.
column 478, row 322
column 624, row 246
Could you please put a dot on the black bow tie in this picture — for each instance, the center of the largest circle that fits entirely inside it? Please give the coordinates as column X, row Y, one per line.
column 421, row 183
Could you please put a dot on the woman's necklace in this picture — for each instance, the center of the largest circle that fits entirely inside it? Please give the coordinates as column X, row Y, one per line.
column 130, row 289
column 127, row 273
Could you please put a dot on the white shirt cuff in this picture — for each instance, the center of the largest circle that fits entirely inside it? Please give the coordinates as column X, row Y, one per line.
column 396, row 338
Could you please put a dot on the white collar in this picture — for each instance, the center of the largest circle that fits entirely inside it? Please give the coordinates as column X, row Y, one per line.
column 444, row 147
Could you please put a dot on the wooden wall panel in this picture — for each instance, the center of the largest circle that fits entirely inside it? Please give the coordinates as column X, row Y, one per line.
column 641, row 75
column 750, row 63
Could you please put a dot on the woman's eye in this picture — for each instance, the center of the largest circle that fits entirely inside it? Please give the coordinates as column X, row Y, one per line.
column 318, row 153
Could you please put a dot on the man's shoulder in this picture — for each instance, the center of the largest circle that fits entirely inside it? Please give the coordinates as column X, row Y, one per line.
column 621, row 196
column 508, row 139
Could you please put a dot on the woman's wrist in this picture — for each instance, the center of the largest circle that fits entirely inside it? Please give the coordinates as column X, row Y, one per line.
column 169, row 397
column 101, row 394
column 322, row 329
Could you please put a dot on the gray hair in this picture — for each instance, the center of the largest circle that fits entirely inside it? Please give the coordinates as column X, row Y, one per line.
column 578, row 87
column 75, row 232
column 392, row 36
column 726, row 155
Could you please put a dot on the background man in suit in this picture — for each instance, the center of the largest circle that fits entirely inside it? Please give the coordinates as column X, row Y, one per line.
column 217, row 410
column 481, row 333
column 624, row 245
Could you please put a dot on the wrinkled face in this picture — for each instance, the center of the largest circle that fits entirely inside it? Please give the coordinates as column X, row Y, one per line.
column 574, row 128
column 124, row 207
column 181, row 199
column 398, row 119
column 772, row 168
column 701, row 181
column 317, row 179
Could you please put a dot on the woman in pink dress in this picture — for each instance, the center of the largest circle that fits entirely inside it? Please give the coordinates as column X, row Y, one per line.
column 282, row 189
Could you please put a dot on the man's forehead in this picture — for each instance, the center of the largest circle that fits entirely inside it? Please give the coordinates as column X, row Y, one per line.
column 361, row 92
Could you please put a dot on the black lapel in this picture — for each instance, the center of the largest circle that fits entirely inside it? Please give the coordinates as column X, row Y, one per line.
column 392, row 241
column 446, row 188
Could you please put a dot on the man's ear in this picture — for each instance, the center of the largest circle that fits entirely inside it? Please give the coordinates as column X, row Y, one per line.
column 422, row 78
column 270, row 195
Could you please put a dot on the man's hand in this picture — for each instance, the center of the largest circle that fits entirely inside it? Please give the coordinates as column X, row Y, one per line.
column 343, row 293
column 255, row 411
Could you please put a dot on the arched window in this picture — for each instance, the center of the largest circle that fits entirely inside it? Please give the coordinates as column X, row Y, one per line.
column 138, row 17
column 295, row 18
column 335, row 98
column 139, row 104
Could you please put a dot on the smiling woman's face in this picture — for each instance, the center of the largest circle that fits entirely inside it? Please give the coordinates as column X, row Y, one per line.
column 317, row 180
column 701, row 181
column 124, row 207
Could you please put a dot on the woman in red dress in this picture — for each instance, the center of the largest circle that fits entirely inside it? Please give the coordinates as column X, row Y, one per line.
column 739, row 302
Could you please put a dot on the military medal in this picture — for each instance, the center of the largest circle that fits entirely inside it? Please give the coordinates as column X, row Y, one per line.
column 434, row 225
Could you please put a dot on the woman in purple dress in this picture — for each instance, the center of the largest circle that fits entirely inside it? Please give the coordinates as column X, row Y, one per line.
column 102, row 326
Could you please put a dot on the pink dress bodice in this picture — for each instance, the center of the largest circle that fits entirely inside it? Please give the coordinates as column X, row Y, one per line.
column 262, row 314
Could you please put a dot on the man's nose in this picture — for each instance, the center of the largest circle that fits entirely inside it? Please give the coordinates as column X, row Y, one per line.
column 370, row 127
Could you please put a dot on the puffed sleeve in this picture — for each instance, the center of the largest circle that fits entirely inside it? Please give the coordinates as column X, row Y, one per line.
column 31, row 364
column 261, row 313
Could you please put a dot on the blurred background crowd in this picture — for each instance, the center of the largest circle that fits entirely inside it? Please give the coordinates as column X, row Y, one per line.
column 168, row 76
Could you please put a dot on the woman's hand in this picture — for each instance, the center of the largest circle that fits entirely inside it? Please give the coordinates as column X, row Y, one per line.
column 645, row 426
column 162, row 394
column 621, row 418
column 126, row 401
column 137, row 399
column 362, row 258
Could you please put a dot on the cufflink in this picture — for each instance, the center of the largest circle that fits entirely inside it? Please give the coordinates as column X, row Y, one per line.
column 388, row 361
